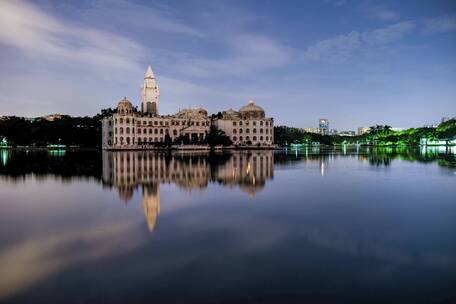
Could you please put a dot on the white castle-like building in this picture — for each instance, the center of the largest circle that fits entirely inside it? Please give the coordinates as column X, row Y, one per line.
column 129, row 128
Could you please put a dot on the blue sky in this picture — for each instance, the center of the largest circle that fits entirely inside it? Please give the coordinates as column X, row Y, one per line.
column 356, row 63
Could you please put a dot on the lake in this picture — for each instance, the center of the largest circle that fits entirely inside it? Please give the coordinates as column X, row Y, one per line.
column 352, row 225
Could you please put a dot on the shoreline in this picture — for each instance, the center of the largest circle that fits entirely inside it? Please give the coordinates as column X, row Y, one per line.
column 207, row 148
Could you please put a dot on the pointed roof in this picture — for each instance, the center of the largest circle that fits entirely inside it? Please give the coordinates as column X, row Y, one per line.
column 149, row 73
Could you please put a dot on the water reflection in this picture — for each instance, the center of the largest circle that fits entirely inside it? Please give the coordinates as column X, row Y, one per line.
column 445, row 156
column 247, row 170
column 322, row 221
column 128, row 171
column 144, row 171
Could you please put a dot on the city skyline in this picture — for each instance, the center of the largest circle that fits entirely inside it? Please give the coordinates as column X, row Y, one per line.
column 389, row 63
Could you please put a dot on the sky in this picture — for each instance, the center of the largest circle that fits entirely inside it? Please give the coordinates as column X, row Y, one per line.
column 356, row 63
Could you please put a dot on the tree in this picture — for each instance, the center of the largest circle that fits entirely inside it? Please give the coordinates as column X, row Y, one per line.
column 168, row 140
column 217, row 137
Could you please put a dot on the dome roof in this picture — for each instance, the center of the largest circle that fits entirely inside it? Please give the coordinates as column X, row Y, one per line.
column 124, row 106
column 230, row 114
column 251, row 109
column 198, row 113
column 125, row 103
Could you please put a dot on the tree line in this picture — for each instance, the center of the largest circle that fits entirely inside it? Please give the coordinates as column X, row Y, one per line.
column 86, row 132
column 378, row 135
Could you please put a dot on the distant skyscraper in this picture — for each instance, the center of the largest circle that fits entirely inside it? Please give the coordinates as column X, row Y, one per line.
column 324, row 126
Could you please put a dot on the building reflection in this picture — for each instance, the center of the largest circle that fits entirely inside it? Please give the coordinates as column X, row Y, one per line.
column 128, row 171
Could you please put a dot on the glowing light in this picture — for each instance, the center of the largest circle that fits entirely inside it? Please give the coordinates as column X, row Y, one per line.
column 4, row 156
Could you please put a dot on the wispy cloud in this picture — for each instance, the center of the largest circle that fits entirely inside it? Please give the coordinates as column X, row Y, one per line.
column 344, row 47
column 440, row 24
column 26, row 27
column 150, row 17
column 380, row 13
column 388, row 34
column 246, row 53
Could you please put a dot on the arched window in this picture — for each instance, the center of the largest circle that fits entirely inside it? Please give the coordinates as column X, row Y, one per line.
column 234, row 138
column 240, row 123
column 121, row 130
column 234, row 131
column 175, row 132
column 254, row 123
column 127, row 120
column 254, row 138
column 127, row 130
column 261, row 123
column 156, row 131
column 254, row 130
column 247, row 131
column 121, row 140
column 161, row 131
column 267, row 138
column 234, row 123
column 128, row 140
column 240, row 138
column 139, row 131
column 150, row 131
column 240, row 131
column 121, row 120
column 247, row 138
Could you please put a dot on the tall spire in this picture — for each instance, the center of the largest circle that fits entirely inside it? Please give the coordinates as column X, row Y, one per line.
column 149, row 73
column 149, row 93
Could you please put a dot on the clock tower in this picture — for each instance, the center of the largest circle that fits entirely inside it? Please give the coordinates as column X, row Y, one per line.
column 149, row 93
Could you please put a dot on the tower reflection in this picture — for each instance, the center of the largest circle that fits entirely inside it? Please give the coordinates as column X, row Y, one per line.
column 128, row 171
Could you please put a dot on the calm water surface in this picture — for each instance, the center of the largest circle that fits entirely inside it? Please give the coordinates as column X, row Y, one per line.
column 348, row 226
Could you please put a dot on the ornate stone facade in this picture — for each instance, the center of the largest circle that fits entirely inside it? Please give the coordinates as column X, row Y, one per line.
column 132, row 129
column 247, row 127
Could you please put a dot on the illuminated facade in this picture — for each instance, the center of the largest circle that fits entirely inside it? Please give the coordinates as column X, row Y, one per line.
column 363, row 130
column 129, row 129
column 249, row 126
